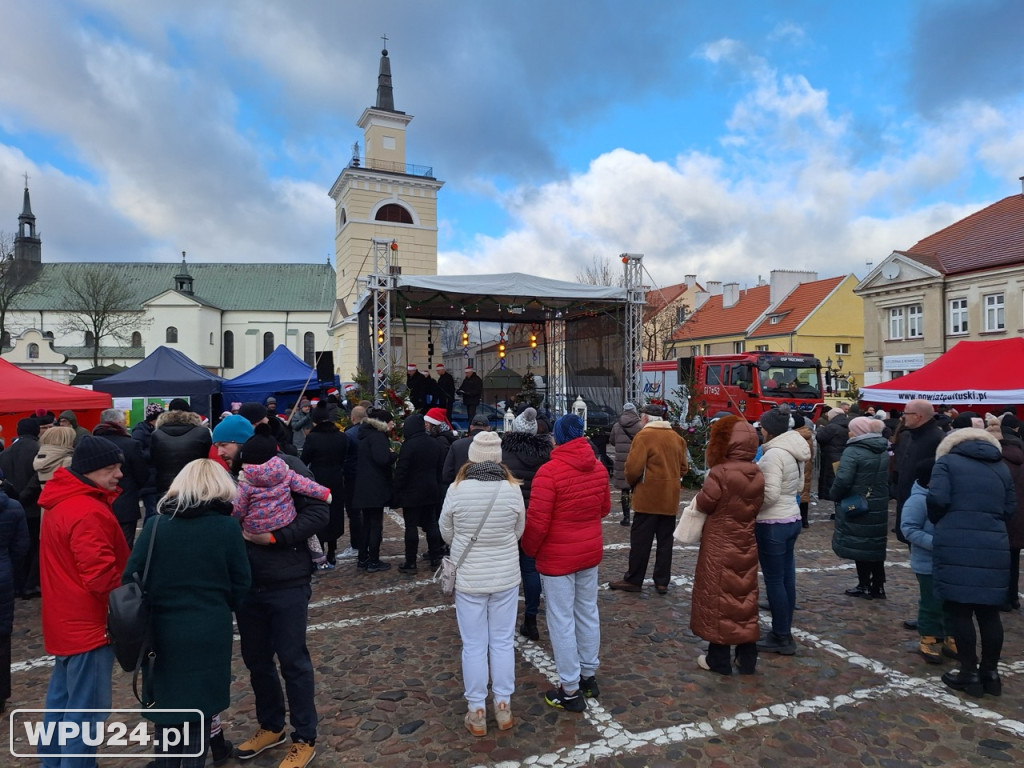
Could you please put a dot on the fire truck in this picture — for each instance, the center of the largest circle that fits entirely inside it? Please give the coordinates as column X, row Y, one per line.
column 750, row 383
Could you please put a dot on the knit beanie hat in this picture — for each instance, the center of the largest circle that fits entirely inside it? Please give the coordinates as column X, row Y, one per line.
column 28, row 427
column 567, row 428
column 862, row 425
column 233, row 429
column 835, row 412
column 253, row 412
column 320, row 414
column 1009, row 423
column 964, row 420
column 526, row 422
column 94, row 453
column 798, row 420
column 179, row 404
column 629, row 407
column 260, row 448
column 153, row 410
column 486, row 446
column 775, row 422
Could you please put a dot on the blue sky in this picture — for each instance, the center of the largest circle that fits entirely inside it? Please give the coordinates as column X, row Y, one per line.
column 721, row 139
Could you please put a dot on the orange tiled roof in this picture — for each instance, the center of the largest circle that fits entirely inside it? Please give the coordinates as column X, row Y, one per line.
column 713, row 319
column 659, row 298
column 992, row 237
column 797, row 307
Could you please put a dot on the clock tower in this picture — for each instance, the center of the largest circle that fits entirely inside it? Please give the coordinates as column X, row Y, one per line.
column 380, row 196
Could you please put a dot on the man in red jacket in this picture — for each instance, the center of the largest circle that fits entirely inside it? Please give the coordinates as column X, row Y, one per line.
column 82, row 554
column 568, row 499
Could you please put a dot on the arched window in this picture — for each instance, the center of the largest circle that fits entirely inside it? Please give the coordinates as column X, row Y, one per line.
column 309, row 348
column 136, row 339
column 268, row 344
column 229, row 349
column 90, row 338
column 172, row 334
column 33, row 351
column 394, row 213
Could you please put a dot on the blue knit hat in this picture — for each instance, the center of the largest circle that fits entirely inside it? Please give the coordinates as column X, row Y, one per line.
column 233, row 429
column 567, row 428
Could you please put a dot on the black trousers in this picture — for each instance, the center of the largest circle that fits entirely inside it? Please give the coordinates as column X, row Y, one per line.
column 719, row 658
column 372, row 525
column 416, row 518
column 355, row 519
column 642, row 534
column 175, row 747
column 991, row 627
column 871, row 574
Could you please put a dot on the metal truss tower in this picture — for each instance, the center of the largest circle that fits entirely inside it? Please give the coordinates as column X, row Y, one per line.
column 382, row 282
column 558, row 398
column 633, row 346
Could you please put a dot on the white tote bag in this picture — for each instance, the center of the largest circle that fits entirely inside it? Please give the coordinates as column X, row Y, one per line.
column 691, row 523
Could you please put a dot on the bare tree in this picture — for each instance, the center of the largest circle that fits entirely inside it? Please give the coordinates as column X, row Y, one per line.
column 94, row 304
column 657, row 329
column 17, row 278
column 602, row 271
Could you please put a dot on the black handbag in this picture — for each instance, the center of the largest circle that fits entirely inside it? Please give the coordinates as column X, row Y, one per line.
column 855, row 505
column 128, row 625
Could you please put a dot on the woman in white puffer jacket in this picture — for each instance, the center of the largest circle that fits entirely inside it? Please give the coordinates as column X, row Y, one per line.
column 487, row 581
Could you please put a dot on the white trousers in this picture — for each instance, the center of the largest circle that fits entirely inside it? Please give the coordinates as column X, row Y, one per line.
column 487, row 624
column 573, row 624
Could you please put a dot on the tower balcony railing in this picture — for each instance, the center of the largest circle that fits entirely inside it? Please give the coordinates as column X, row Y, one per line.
column 391, row 166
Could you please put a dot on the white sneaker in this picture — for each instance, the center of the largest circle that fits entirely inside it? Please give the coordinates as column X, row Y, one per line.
column 348, row 554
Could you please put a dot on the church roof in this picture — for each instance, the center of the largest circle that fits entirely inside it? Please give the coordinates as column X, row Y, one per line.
column 273, row 287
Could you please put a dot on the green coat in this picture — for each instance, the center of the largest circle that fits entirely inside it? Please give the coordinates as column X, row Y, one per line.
column 863, row 469
column 198, row 576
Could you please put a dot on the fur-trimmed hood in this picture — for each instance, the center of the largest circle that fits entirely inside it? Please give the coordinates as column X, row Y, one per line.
column 523, row 444
column 732, row 439
column 970, row 434
column 380, row 426
column 179, row 418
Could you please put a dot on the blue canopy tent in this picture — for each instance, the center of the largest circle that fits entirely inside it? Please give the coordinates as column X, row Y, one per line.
column 281, row 373
column 165, row 372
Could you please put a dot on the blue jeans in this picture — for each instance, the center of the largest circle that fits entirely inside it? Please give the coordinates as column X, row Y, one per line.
column 531, row 582
column 272, row 622
column 775, row 545
column 81, row 681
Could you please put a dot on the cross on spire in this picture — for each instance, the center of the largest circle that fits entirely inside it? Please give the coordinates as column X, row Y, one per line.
column 385, row 39
column 26, row 181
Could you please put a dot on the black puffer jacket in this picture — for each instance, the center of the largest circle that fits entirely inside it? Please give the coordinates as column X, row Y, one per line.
column 831, row 440
column 179, row 438
column 970, row 500
column 287, row 563
column 524, row 454
column 418, row 471
column 325, row 452
column 1013, row 458
column 16, row 461
column 134, row 471
column 142, row 434
column 373, row 474
column 14, row 545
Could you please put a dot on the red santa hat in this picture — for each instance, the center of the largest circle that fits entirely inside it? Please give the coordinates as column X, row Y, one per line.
column 411, row 367
column 348, row 388
column 469, row 369
column 437, row 416
column 334, row 390
column 439, row 367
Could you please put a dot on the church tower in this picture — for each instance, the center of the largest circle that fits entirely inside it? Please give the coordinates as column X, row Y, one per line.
column 381, row 196
column 28, row 248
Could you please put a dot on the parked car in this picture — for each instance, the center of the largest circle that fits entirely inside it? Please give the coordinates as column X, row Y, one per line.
column 460, row 419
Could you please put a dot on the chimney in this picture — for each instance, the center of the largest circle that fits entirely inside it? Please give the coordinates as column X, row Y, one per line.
column 715, row 287
column 700, row 299
column 730, row 294
column 691, row 280
column 783, row 281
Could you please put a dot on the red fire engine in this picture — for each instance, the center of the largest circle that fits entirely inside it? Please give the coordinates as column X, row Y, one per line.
column 750, row 383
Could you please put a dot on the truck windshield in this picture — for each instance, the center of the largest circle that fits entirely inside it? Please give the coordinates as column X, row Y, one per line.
column 792, row 381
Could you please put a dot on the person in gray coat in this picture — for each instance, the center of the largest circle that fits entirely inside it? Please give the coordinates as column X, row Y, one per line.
column 623, row 432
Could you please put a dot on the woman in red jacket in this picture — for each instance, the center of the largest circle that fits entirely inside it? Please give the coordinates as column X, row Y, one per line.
column 568, row 499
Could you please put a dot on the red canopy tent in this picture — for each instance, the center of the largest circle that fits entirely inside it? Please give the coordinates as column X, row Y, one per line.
column 981, row 373
column 22, row 392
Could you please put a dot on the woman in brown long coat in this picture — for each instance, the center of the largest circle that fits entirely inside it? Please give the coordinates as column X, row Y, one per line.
column 724, row 607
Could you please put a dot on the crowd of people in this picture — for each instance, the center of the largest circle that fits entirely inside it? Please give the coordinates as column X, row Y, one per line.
column 238, row 518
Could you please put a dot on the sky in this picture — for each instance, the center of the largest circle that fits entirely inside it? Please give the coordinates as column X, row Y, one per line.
column 718, row 139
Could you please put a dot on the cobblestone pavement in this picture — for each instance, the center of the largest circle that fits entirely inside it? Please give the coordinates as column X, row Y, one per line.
column 386, row 651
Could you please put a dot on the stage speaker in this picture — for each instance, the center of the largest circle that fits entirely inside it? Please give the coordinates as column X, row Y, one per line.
column 325, row 366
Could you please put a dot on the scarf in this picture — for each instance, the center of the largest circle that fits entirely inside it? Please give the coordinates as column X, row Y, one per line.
column 49, row 459
column 487, row 471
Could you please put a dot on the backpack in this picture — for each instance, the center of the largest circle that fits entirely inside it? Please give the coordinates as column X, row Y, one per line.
column 128, row 625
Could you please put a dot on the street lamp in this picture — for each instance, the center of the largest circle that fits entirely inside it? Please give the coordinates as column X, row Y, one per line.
column 832, row 373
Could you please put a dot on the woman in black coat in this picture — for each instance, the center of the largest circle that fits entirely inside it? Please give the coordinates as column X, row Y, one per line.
column 324, row 452
column 418, row 490
column 970, row 499
column 832, row 440
column 374, row 483
column 13, row 549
